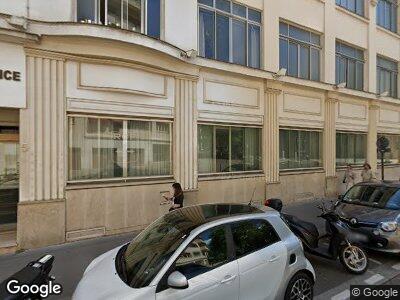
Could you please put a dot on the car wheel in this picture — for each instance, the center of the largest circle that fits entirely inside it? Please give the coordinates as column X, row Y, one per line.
column 300, row 287
column 354, row 259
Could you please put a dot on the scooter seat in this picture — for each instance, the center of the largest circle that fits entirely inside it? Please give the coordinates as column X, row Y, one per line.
column 307, row 226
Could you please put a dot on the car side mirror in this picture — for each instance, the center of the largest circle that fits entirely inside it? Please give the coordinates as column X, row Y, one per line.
column 177, row 280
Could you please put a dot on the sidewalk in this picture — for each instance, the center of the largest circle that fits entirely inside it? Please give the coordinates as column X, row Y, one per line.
column 71, row 259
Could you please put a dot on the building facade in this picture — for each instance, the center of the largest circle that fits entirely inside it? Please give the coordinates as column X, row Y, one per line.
column 105, row 103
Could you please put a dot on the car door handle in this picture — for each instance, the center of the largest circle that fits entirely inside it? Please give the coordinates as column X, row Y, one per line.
column 228, row 278
column 273, row 258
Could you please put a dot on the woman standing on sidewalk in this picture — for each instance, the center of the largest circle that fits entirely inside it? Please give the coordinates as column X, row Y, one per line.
column 349, row 177
column 366, row 173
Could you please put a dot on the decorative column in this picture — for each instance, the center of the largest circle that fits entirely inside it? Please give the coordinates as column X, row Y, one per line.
column 41, row 210
column 271, row 142
column 185, row 131
column 330, row 146
column 329, row 42
column 372, row 156
column 371, row 59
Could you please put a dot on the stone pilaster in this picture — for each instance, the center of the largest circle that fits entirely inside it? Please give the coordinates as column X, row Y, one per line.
column 330, row 146
column 271, row 142
column 372, row 136
column 371, row 50
column 41, row 210
column 185, row 130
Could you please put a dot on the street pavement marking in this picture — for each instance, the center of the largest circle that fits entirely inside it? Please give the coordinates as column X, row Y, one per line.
column 396, row 267
column 376, row 261
column 374, row 279
column 342, row 296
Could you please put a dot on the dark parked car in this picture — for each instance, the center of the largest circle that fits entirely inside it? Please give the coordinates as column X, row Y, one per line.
column 374, row 209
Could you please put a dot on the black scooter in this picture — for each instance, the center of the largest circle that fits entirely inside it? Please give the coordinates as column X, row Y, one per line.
column 35, row 273
column 339, row 241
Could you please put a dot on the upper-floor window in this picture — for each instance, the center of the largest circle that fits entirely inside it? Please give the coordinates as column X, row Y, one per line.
column 386, row 14
column 349, row 66
column 299, row 52
column 136, row 15
column 386, row 76
column 230, row 32
column 355, row 6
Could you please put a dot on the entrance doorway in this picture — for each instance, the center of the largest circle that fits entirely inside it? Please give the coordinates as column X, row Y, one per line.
column 9, row 177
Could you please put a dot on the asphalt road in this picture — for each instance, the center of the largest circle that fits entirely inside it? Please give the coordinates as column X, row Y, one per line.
column 333, row 281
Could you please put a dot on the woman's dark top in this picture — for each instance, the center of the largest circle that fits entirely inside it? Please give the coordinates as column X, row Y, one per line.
column 177, row 200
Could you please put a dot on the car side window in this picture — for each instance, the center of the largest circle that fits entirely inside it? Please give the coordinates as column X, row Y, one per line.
column 368, row 193
column 394, row 201
column 354, row 194
column 252, row 235
column 205, row 252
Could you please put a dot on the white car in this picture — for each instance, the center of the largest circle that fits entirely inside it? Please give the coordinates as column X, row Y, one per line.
column 213, row 251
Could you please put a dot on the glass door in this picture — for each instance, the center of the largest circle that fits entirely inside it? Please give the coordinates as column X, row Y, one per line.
column 9, row 180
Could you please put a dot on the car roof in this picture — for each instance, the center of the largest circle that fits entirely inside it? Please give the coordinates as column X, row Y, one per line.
column 385, row 183
column 191, row 217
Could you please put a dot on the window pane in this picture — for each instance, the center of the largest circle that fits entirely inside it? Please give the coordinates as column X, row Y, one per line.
column 293, row 60
column 206, row 2
column 253, row 235
column 360, row 76
column 360, row 7
column 239, row 42
column 237, row 149
column 206, row 252
column 304, row 62
column 351, row 75
column 283, row 54
column 107, row 156
column 206, row 33
column 351, row 5
column 153, row 17
column 239, row 10
column 254, row 15
column 254, row 46
column 283, row 149
column 223, row 5
column 283, row 29
column 299, row 34
column 315, row 39
column 205, row 149
column 86, row 11
column 222, row 149
column 315, row 64
column 222, row 38
column 149, row 148
column 114, row 13
column 252, row 149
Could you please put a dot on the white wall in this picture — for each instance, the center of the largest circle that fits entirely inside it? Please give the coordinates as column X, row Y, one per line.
column 181, row 23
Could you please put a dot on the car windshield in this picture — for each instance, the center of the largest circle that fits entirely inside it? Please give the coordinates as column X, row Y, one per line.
column 374, row 195
column 151, row 249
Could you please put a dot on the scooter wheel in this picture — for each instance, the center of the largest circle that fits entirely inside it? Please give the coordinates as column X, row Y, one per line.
column 354, row 259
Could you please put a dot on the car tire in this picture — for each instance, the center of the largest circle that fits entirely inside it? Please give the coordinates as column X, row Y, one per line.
column 354, row 270
column 301, row 285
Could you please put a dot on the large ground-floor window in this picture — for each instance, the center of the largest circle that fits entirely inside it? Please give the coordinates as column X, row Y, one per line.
column 228, row 149
column 101, row 148
column 392, row 157
column 351, row 148
column 300, row 149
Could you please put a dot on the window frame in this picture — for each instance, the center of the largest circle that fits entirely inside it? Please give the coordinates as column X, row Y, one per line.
column 300, row 43
column 392, row 93
column 229, row 126
column 355, row 134
column 393, row 27
column 355, row 7
column 143, row 21
column 348, row 59
column 321, row 149
column 125, row 148
column 230, row 15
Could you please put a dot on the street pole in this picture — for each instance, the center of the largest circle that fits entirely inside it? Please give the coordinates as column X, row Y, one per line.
column 382, row 165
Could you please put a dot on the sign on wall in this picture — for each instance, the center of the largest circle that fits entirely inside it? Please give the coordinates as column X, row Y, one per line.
column 12, row 76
